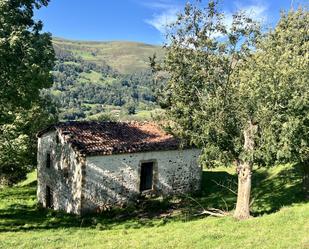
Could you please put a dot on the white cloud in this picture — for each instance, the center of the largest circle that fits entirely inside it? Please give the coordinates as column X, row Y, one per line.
column 158, row 4
column 160, row 21
column 165, row 13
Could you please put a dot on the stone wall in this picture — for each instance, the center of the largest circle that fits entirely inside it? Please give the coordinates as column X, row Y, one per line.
column 64, row 177
column 115, row 179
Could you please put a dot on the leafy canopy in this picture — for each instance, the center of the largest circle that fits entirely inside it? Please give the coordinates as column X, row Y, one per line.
column 274, row 84
column 203, row 55
column 222, row 78
column 26, row 55
column 26, row 59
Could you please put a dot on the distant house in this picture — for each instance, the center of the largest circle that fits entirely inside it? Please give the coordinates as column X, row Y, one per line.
column 90, row 166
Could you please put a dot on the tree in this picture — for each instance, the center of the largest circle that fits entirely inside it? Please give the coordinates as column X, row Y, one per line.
column 131, row 108
column 27, row 55
column 203, row 56
column 26, row 59
column 274, row 82
column 234, row 93
column 18, row 147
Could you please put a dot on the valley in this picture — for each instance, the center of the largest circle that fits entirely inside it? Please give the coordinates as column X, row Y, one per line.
column 104, row 80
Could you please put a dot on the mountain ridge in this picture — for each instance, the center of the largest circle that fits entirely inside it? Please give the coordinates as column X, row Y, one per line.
column 57, row 38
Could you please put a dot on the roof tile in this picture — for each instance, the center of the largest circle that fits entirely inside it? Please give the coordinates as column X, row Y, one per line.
column 106, row 138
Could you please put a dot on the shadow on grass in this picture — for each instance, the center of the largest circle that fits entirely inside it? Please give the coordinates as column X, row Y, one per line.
column 274, row 192
column 19, row 212
column 270, row 193
column 218, row 190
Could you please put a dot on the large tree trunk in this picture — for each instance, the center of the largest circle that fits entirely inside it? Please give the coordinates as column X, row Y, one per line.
column 244, row 171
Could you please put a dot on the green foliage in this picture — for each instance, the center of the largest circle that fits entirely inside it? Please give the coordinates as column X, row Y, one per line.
column 103, row 117
column 18, row 147
column 26, row 59
column 224, row 79
column 274, row 87
column 26, row 55
column 25, row 224
column 201, row 94
column 131, row 109
column 240, row 96
column 274, row 84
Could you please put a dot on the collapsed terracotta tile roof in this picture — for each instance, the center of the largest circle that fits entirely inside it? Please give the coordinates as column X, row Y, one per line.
column 106, row 138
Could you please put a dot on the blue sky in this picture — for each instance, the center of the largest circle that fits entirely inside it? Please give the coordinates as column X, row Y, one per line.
column 137, row 20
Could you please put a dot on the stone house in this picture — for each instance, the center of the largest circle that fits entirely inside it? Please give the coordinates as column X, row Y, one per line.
column 90, row 166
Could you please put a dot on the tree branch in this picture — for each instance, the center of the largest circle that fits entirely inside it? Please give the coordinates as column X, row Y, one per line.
column 223, row 186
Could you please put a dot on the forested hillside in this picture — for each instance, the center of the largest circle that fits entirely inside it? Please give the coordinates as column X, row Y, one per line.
column 103, row 80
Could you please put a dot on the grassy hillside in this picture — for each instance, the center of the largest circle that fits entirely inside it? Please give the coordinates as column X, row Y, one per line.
column 281, row 218
column 103, row 80
column 123, row 56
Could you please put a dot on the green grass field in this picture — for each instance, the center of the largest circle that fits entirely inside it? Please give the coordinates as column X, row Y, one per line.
column 281, row 218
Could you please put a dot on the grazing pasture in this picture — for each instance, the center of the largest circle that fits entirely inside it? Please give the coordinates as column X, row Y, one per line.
column 281, row 218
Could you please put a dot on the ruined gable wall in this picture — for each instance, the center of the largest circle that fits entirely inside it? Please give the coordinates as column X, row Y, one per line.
column 115, row 179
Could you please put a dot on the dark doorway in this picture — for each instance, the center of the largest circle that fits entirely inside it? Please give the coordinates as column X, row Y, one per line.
column 146, row 176
column 49, row 197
